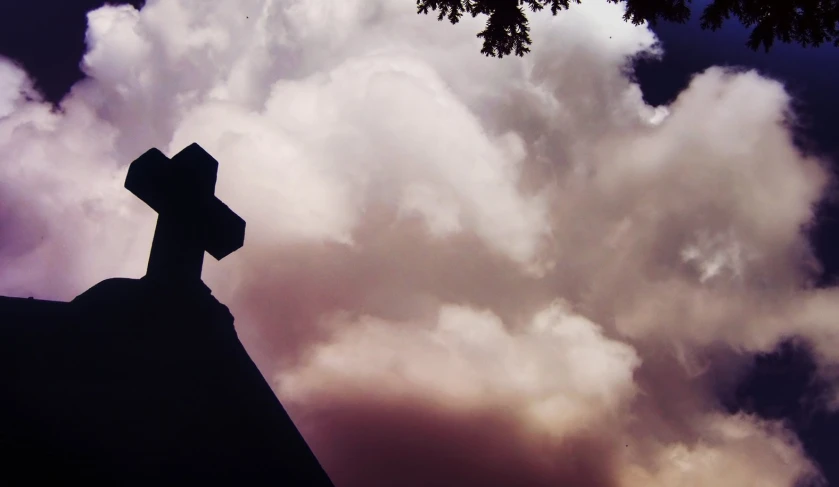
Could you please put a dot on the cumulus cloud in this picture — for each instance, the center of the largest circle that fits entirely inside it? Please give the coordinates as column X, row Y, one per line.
column 14, row 84
column 458, row 270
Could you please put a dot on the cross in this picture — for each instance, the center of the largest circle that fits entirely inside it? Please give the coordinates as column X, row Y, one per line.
column 191, row 219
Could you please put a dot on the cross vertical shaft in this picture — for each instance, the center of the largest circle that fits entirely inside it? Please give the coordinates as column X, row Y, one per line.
column 175, row 256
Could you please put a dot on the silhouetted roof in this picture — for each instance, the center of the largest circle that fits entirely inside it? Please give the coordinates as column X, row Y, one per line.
column 140, row 381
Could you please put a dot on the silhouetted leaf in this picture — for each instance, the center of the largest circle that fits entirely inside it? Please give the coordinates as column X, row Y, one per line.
column 805, row 22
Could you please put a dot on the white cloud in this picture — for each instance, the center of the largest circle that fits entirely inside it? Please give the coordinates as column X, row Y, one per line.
column 14, row 84
column 559, row 373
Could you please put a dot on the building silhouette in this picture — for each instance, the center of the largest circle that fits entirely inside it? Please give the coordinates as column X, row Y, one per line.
column 144, row 381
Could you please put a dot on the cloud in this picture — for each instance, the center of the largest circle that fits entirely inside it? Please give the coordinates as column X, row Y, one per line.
column 559, row 373
column 457, row 270
column 14, row 85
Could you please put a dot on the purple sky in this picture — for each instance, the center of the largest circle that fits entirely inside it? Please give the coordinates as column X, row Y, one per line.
column 387, row 291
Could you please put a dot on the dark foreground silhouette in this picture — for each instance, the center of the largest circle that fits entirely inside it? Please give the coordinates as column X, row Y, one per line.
column 507, row 30
column 144, row 381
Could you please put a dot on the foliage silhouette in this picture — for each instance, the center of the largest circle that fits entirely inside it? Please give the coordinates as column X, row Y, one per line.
column 144, row 381
column 805, row 22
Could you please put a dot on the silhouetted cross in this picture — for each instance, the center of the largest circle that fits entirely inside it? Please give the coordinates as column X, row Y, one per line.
column 191, row 219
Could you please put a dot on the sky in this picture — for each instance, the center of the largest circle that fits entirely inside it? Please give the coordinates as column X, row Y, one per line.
column 457, row 270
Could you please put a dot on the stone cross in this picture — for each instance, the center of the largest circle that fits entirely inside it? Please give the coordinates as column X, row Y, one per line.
column 191, row 219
